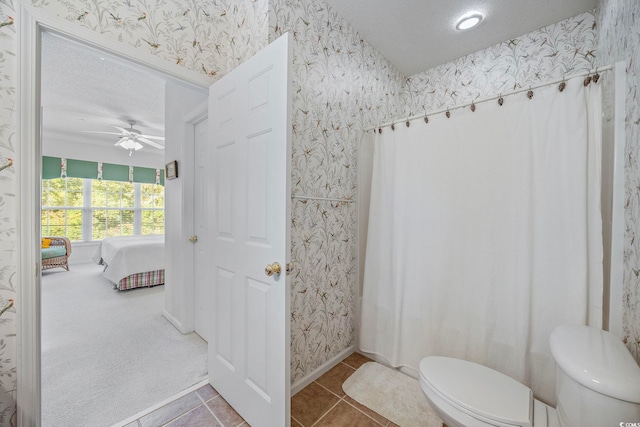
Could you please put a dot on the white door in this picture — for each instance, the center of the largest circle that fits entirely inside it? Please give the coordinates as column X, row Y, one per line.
column 249, row 129
column 202, row 256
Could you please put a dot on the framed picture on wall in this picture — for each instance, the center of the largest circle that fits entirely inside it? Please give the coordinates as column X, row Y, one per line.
column 171, row 170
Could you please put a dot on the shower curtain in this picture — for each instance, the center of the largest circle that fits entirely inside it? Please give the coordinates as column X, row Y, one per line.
column 485, row 233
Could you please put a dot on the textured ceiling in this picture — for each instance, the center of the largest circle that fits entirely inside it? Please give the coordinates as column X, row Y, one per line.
column 416, row 35
column 83, row 89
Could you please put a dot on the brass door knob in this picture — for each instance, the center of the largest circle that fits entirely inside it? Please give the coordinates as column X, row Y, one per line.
column 193, row 239
column 272, row 269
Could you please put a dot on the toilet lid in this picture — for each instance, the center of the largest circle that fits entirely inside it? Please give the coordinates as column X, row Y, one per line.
column 478, row 390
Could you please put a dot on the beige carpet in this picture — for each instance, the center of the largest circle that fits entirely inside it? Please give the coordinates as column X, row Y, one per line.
column 391, row 394
column 107, row 354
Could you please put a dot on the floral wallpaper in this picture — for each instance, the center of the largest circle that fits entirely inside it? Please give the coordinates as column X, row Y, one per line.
column 341, row 85
column 211, row 37
column 8, row 239
column 543, row 55
column 619, row 40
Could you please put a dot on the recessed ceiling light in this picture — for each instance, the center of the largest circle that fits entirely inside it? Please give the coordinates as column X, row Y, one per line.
column 468, row 20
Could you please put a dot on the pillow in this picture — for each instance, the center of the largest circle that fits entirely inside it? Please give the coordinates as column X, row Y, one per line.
column 46, row 243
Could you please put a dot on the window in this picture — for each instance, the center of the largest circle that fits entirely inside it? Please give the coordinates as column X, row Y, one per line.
column 86, row 209
column 112, row 205
column 64, row 201
column 152, row 212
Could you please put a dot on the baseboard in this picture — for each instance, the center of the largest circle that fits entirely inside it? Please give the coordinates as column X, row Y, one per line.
column 175, row 322
column 320, row 370
column 412, row 372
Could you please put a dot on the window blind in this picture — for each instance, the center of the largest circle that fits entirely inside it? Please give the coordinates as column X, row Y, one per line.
column 110, row 172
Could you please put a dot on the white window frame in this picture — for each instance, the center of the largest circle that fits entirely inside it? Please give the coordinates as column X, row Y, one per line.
column 65, row 208
column 88, row 209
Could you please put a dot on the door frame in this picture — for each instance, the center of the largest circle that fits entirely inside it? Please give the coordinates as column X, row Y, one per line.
column 30, row 24
column 190, row 120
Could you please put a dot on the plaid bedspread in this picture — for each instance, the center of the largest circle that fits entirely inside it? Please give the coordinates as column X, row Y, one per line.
column 141, row 280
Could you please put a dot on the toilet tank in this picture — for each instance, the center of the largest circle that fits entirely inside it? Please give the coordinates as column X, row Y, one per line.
column 597, row 379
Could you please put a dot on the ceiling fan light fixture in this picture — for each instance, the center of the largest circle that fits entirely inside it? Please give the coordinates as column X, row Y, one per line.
column 130, row 144
column 132, row 139
column 468, row 20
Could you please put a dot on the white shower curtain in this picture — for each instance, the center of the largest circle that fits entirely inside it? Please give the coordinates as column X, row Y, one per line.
column 485, row 233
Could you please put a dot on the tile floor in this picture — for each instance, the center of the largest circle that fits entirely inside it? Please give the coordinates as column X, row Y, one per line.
column 202, row 408
column 320, row 404
column 323, row 403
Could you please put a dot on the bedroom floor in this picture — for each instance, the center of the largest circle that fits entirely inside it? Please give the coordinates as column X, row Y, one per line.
column 320, row 404
column 107, row 354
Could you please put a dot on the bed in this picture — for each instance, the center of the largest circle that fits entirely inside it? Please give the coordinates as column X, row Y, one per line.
column 132, row 261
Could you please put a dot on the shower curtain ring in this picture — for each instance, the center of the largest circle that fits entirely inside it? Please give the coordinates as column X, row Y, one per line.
column 473, row 107
column 426, row 119
column 587, row 80
column 448, row 113
column 563, row 85
column 595, row 77
column 393, row 126
column 407, row 122
column 500, row 100
column 379, row 130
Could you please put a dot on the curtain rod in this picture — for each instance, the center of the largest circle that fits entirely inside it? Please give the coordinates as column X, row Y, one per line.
column 327, row 199
column 444, row 110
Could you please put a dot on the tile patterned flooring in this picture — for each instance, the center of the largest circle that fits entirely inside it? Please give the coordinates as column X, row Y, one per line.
column 323, row 403
column 202, row 408
column 320, row 404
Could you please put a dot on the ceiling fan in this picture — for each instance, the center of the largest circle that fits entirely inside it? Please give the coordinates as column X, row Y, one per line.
column 131, row 139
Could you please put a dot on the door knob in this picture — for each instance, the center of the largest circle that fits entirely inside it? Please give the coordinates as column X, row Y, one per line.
column 193, row 239
column 272, row 269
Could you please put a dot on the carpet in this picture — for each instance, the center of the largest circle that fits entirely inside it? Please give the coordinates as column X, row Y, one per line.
column 108, row 354
column 392, row 394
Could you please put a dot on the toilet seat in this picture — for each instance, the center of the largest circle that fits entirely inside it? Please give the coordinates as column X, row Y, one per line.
column 477, row 391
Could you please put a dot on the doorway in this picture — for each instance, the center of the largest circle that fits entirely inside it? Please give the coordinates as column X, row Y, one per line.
column 30, row 293
column 179, row 302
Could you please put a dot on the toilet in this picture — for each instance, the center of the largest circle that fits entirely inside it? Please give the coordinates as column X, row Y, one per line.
column 597, row 384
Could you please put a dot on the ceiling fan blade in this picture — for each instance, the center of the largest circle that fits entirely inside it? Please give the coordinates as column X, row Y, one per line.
column 123, row 130
column 107, row 133
column 151, row 143
column 160, row 138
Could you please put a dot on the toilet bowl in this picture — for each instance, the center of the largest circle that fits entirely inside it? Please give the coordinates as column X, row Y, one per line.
column 597, row 384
